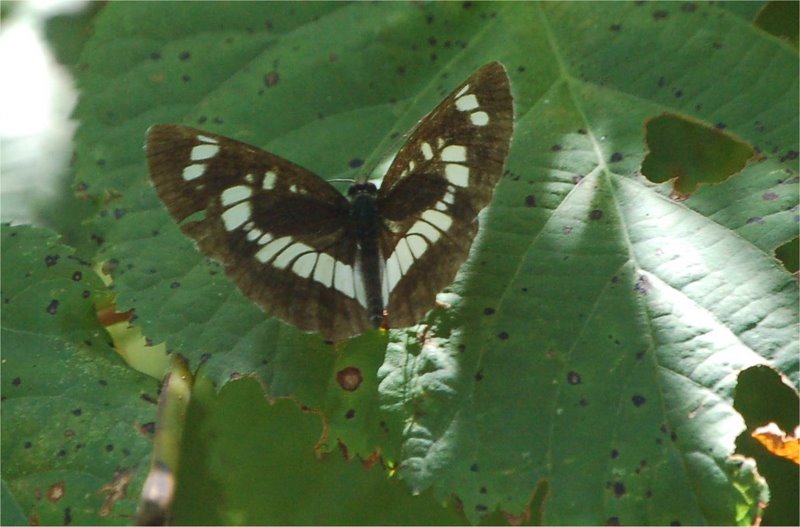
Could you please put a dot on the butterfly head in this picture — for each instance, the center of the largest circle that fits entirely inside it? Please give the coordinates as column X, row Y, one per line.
column 358, row 189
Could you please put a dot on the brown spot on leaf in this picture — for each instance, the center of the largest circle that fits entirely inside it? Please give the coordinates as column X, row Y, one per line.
column 349, row 378
column 56, row 491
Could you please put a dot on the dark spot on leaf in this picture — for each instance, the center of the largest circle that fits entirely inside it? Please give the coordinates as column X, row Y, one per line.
column 573, row 377
column 86, row 293
column 77, row 276
column 643, row 285
column 155, row 55
column 583, row 402
column 482, row 490
column 432, row 41
column 502, row 335
column 577, row 178
column 755, row 219
column 466, row 5
column 62, row 453
column 109, row 447
column 271, row 79
column 556, row 148
column 50, row 260
column 429, row 19
column 174, row 285
column 434, row 57
column 688, row 7
column 186, row 78
column 521, row 69
column 530, row 200
column 77, row 411
column 27, row 444
column 350, row 414
column 660, row 15
column 401, row 70
column 639, row 355
column 474, row 467
column 355, row 162
column 480, row 507
column 673, row 436
column 333, row 57
column 582, row 131
column 675, row 522
column 349, row 378
column 769, row 196
column 638, row 400
column 202, row 119
column 100, row 162
column 789, row 156
column 461, row 348
column 616, row 157
column 69, row 433
column 149, row 398
column 615, row 27
column 614, row 520
column 595, row 214
column 185, row 55
column 678, row 94
column 488, row 311
column 479, row 376
column 52, row 307
column 619, row 489
column 614, row 454
column 148, row 428
column 566, row 230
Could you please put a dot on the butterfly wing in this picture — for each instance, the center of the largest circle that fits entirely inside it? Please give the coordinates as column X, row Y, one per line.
column 281, row 232
column 437, row 184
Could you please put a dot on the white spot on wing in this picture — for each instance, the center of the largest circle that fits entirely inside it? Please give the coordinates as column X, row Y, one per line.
column 201, row 152
column 272, row 248
column 249, row 178
column 393, row 272
column 193, row 172
column 290, row 253
column 323, row 273
column 235, row 194
column 467, row 103
column 269, row 180
column 440, row 220
column 265, row 239
column 304, row 266
column 457, row 174
column 417, row 245
column 441, row 206
column 454, row 153
column 343, row 279
column 235, row 216
column 479, row 118
column 404, row 256
column 427, row 151
column 253, row 234
column 449, row 198
column 423, row 228
column 361, row 291
column 206, row 139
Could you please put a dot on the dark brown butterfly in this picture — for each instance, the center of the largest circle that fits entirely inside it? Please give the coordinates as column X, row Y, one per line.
column 333, row 264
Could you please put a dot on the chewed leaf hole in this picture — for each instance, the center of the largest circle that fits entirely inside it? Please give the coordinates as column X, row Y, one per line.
column 788, row 255
column 690, row 153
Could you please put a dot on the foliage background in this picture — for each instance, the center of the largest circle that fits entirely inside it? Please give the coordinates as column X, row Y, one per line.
column 586, row 369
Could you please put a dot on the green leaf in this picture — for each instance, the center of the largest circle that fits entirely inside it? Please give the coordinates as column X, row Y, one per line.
column 286, row 483
column 72, row 451
column 592, row 341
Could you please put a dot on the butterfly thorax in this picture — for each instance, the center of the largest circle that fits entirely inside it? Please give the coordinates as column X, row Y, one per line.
column 365, row 219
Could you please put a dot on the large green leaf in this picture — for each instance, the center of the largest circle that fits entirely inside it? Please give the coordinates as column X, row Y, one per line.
column 74, row 441
column 592, row 341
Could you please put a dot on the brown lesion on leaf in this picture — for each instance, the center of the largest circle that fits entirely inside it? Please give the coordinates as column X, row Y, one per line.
column 114, row 491
column 533, row 513
column 56, row 491
column 691, row 153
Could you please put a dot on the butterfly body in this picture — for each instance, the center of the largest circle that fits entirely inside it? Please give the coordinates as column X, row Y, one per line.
column 334, row 264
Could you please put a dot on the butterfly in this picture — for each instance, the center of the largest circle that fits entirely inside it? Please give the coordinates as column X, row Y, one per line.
column 338, row 265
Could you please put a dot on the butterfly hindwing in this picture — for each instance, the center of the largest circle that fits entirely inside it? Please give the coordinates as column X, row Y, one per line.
column 280, row 231
column 436, row 186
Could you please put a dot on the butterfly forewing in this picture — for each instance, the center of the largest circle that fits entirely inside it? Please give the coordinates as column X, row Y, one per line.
column 438, row 183
column 281, row 232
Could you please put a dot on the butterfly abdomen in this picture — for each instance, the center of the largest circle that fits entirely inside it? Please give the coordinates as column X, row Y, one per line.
column 364, row 215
